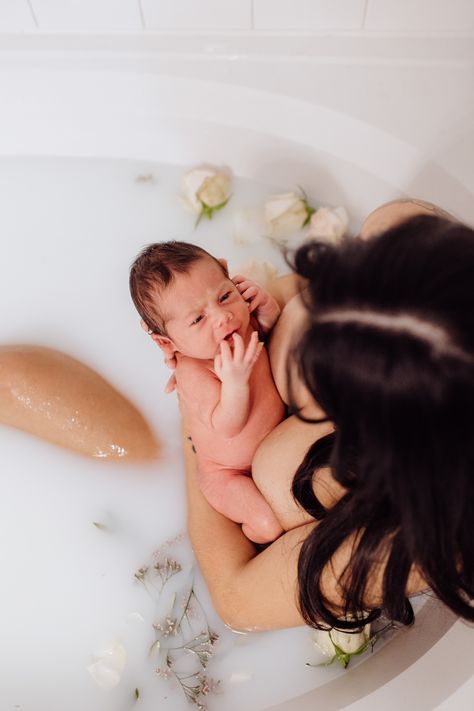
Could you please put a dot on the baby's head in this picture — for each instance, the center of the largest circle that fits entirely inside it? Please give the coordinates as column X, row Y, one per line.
column 186, row 299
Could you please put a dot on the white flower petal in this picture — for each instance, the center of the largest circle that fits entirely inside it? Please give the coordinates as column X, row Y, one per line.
column 350, row 642
column 322, row 640
column 239, row 677
column 104, row 676
column 205, row 185
column 277, row 205
column 192, row 182
column 135, row 617
column 328, row 224
column 261, row 272
column 214, row 190
column 284, row 214
column 108, row 666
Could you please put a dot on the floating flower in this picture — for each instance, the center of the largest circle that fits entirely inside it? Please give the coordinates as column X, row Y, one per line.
column 285, row 214
column 206, row 191
column 343, row 645
column 108, row 666
column 261, row 272
column 328, row 224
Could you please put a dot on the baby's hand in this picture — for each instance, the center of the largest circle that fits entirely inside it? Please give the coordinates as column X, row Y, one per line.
column 261, row 303
column 234, row 367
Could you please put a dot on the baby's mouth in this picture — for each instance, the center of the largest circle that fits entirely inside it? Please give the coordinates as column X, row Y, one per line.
column 230, row 335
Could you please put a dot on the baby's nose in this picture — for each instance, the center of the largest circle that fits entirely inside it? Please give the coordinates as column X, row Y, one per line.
column 223, row 317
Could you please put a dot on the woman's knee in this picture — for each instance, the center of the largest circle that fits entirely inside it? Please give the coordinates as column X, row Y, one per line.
column 393, row 213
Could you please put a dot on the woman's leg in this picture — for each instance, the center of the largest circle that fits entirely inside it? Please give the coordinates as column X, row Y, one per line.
column 392, row 213
column 53, row 396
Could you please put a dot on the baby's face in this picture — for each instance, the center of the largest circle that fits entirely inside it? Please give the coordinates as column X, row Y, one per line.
column 201, row 308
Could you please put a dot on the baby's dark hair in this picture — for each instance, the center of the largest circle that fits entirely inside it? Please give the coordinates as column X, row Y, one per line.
column 154, row 269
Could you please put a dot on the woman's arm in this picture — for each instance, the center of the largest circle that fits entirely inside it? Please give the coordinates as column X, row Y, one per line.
column 250, row 591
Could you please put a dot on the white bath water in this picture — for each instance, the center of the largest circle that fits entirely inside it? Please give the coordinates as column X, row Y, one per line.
column 73, row 530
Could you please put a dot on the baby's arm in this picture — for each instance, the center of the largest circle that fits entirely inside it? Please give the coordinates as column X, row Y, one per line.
column 262, row 304
column 233, row 368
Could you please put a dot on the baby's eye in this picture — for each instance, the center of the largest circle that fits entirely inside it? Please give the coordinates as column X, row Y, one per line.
column 196, row 320
column 225, row 296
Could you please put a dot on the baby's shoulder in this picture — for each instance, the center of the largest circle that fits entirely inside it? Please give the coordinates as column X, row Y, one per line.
column 197, row 386
column 192, row 368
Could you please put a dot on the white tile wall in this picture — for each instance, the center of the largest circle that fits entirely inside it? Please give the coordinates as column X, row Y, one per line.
column 416, row 15
column 87, row 15
column 308, row 14
column 362, row 17
column 197, row 14
column 15, row 16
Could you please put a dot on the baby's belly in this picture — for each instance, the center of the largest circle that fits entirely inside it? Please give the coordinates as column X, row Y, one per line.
column 236, row 452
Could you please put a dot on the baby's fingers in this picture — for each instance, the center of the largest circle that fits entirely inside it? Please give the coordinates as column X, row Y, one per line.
column 225, row 352
column 238, row 346
column 253, row 349
column 239, row 279
column 251, row 295
column 218, row 365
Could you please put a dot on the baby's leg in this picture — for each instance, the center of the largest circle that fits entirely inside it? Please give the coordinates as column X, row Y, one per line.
column 235, row 495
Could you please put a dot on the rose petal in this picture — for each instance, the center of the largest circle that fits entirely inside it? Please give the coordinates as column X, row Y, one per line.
column 328, row 224
column 350, row 642
column 261, row 272
column 192, row 182
column 322, row 640
column 277, row 205
column 104, row 676
column 288, row 222
column 108, row 666
column 214, row 190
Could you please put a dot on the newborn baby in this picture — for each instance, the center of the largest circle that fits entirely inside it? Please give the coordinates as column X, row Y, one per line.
column 199, row 316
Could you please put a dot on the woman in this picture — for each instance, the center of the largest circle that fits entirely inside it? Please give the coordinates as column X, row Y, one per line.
column 377, row 358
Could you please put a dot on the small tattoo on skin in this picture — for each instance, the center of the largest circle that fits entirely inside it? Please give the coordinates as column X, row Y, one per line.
column 432, row 208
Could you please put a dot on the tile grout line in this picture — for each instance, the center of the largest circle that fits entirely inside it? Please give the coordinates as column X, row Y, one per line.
column 142, row 14
column 364, row 15
column 33, row 15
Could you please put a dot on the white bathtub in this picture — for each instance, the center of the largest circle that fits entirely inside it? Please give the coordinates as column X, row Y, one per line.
column 57, row 106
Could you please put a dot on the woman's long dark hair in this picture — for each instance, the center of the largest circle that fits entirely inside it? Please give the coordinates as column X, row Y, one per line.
column 389, row 355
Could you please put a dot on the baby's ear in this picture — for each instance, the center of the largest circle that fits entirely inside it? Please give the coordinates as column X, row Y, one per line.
column 224, row 264
column 165, row 343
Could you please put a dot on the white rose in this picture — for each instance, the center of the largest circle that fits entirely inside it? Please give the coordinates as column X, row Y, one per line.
column 206, row 190
column 261, row 272
column 329, row 225
column 348, row 642
column 285, row 214
column 108, row 666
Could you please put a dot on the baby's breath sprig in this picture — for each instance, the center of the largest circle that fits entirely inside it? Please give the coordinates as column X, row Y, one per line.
column 200, row 647
column 184, row 642
column 166, row 570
